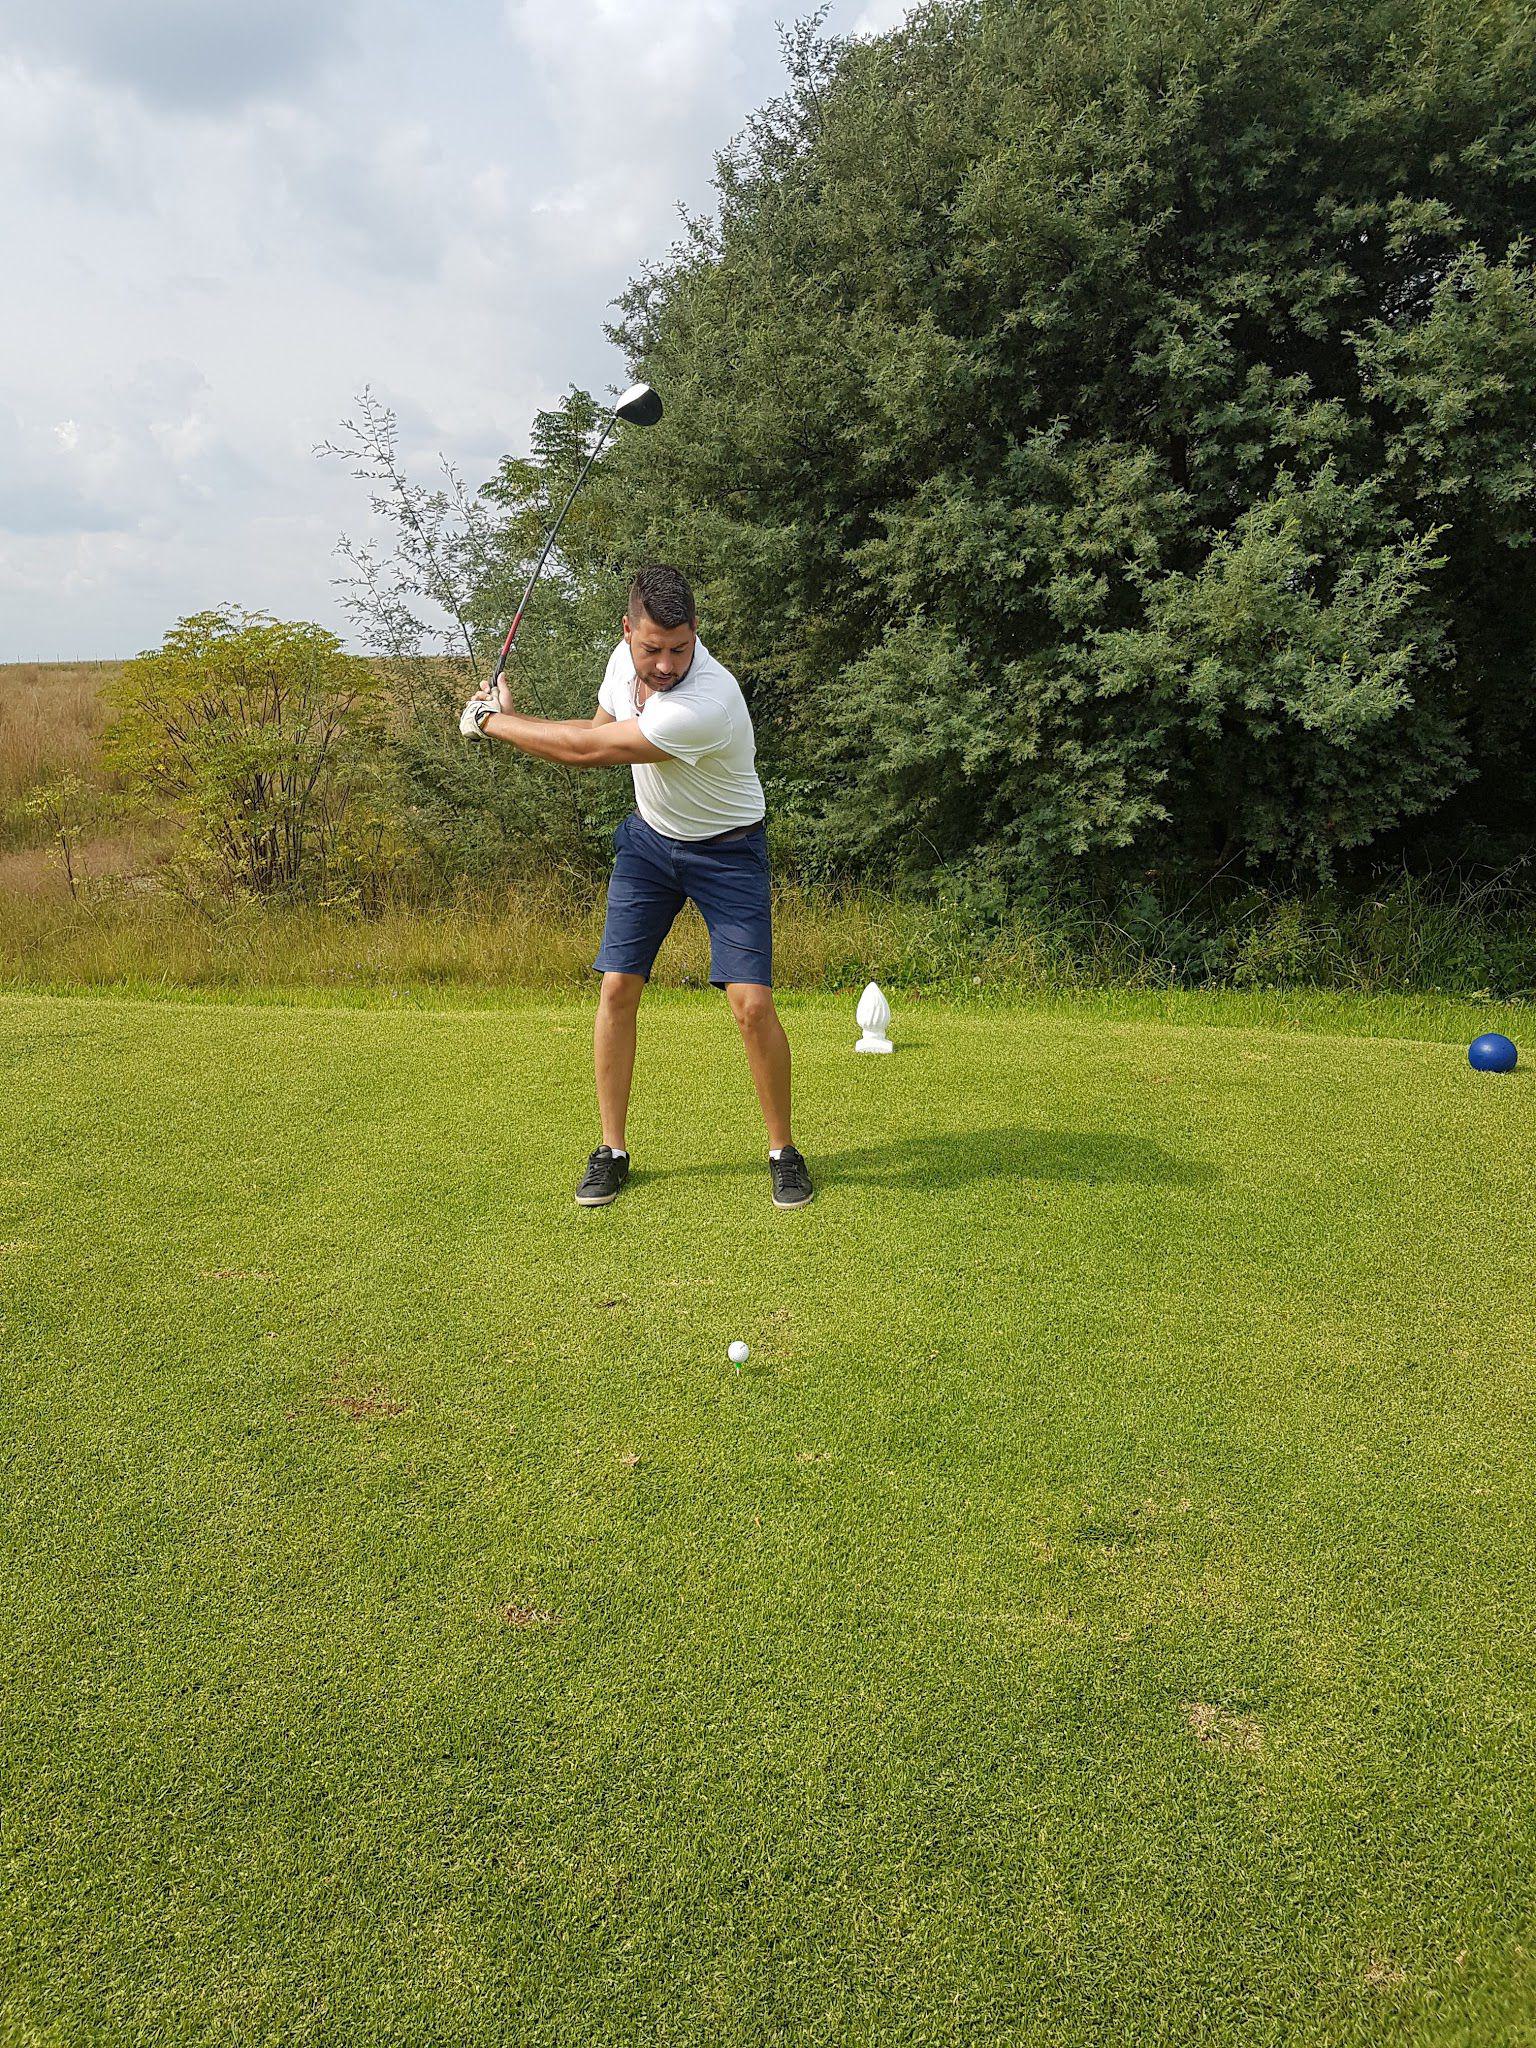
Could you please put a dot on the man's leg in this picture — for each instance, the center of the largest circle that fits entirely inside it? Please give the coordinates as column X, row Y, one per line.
column 643, row 899
column 767, row 1054
column 613, row 1052
column 730, row 884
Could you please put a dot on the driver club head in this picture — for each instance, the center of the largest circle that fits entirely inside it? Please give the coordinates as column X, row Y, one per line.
column 640, row 405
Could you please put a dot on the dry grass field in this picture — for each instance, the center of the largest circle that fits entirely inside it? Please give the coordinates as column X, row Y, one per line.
column 51, row 717
column 50, row 720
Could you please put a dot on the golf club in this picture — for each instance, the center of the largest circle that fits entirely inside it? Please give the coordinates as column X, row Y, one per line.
column 641, row 406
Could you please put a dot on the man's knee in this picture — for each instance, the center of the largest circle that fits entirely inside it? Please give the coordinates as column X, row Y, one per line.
column 751, row 1004
column 620, row 993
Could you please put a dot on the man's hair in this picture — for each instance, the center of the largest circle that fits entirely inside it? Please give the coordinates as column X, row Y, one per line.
column 663, row 595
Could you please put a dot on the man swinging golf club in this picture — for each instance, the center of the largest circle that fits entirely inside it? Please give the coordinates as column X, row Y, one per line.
column 670, row 711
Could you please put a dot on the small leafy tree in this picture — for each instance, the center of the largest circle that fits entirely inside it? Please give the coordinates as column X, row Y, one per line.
column 69, row 806
column 261, row 737
column 574, row 616
column 432, row 594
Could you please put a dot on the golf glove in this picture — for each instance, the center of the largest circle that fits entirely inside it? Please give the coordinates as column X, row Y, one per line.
column 475, row 713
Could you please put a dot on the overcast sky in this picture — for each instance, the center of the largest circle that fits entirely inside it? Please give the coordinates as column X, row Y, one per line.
column 219, row 221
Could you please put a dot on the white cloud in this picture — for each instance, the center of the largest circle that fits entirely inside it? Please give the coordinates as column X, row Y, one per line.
column 598, row 222
column 443, row 208
column 192, row 55
column 646, row 57
column 140, row 450
column 42, row 487
column 72, row 142
column 386, row 203
column 637, row 87
column 881, row 16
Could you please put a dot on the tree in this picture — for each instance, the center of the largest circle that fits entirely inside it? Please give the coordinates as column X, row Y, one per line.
column 1100, row 431
column 433, row 602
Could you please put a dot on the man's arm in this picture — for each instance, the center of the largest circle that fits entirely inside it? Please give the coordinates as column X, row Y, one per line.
column 573, row 742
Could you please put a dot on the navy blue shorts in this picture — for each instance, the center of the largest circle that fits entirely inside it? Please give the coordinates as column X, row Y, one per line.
column 653, row 877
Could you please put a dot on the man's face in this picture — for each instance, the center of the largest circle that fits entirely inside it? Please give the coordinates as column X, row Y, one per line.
column 661, row 654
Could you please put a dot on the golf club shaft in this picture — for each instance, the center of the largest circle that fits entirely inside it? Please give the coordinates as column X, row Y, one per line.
column 508, row 644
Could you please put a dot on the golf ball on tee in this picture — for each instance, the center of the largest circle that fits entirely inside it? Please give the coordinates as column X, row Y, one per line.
column 738, row 1353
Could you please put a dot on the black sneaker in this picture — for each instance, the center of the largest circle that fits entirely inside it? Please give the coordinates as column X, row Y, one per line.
column 606, row 1173
column 791, row 1180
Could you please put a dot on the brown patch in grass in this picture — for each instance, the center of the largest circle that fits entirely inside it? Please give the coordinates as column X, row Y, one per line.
column 529, row 1617
column 17, row 1244
column 1385, row 1976
column 813, row 1457
column 629, row 1460
column 374, row 1402
column 1064, row 1624
column 1214, row 1728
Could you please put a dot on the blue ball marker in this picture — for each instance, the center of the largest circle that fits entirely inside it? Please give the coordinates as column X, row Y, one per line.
column 1493, row 1053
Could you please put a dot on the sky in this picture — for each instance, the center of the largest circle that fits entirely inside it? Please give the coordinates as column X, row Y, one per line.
column 220, row 222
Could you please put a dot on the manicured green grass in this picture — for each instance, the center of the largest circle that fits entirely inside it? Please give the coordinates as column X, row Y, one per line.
column 1098, row 1613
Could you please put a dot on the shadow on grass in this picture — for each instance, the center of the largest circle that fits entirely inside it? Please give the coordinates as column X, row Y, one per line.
column 953, row 1159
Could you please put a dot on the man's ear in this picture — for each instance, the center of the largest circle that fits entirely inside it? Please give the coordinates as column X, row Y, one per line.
column 626, row 625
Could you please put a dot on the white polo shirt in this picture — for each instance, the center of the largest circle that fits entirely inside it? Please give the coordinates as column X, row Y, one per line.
column 709, row 782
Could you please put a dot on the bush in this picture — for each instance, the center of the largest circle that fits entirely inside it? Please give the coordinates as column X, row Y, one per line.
column 262, row 739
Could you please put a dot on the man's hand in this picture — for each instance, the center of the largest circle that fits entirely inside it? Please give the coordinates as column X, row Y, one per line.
column 472, row 717
column 474, row 714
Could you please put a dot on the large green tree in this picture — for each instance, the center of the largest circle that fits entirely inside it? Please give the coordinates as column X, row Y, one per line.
column 1102, row 432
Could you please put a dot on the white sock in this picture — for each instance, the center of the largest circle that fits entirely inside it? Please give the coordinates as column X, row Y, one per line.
column 776, row 1153
column 618, row 1151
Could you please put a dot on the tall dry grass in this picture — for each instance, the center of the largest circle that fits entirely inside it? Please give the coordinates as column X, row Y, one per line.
column 538, row 943
column 50, row 721
column 541, row 937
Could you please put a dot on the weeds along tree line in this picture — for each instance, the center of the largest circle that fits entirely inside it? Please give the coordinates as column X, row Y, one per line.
column 1102, row 435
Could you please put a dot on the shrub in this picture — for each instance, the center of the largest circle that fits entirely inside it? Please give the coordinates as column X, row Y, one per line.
column 263, row 740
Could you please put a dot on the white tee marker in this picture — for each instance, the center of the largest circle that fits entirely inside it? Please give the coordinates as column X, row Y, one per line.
column 873, row 1017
